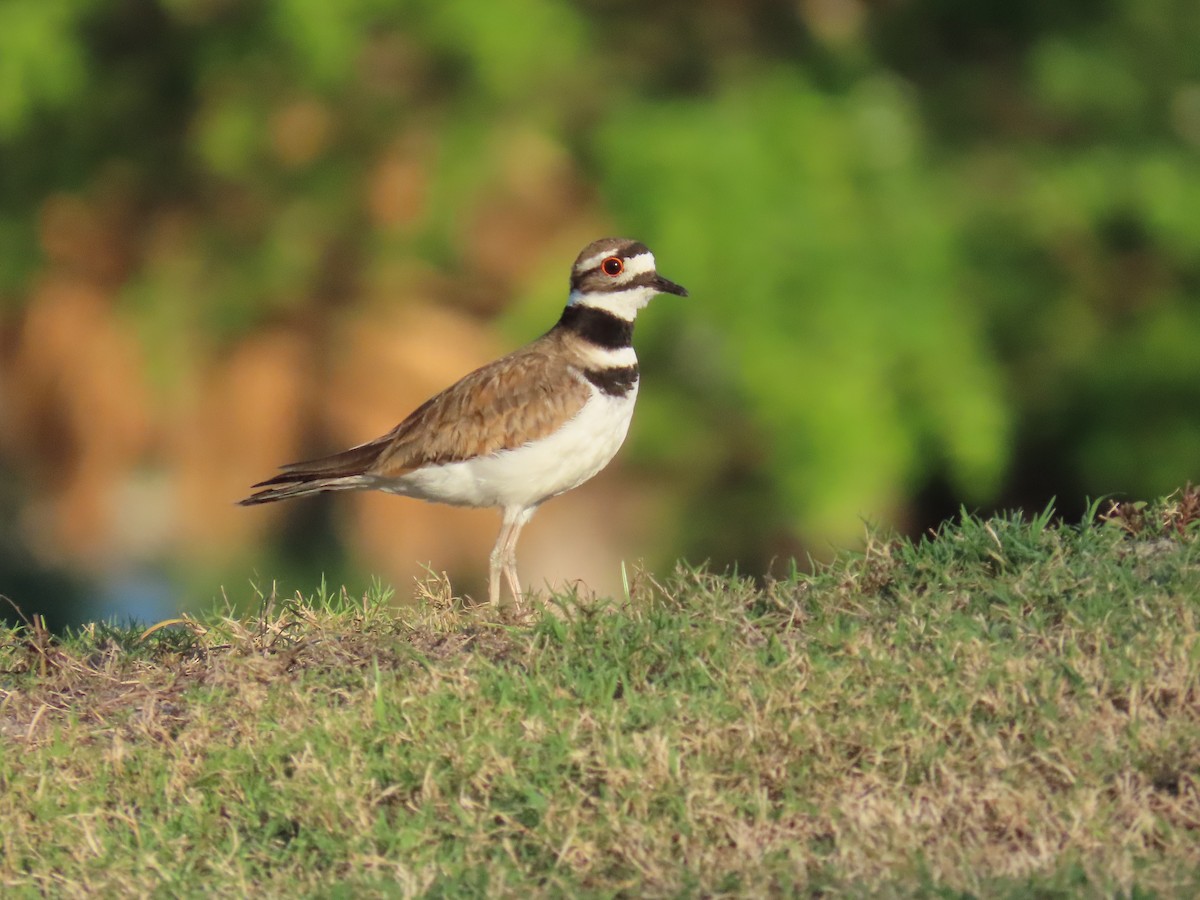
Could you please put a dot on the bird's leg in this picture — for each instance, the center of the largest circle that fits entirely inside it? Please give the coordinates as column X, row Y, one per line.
column 508, row 555
column 514, row 585
column 496, row 559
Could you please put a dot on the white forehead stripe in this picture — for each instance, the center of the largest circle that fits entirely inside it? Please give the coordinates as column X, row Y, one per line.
column 639, row 265
column 592, row 261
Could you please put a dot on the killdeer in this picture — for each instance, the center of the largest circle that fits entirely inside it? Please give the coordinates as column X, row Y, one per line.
column 520, row 430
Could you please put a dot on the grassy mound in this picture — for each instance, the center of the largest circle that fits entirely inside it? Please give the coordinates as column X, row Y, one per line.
column 1005, row 707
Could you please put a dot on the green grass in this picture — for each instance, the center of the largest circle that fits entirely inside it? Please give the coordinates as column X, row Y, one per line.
column 1009, row 708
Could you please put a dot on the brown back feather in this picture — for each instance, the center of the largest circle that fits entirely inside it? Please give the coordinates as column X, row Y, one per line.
column 519, row 398
column 516, row 399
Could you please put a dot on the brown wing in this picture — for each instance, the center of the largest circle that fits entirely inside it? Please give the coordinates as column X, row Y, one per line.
column 517, row 399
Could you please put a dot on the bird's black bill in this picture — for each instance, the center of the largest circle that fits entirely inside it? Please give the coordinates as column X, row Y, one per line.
column 669, row 287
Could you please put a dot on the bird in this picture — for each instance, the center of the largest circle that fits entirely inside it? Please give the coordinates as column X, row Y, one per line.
column 522, row 429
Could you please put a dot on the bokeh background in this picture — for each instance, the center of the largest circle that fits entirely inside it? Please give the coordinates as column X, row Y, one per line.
column 940, row 253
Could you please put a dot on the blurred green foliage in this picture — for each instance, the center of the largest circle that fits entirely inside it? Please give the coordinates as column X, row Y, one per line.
column 811, row 219
column 938, row 251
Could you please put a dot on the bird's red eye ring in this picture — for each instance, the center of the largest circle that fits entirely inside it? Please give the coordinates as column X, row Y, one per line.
column 613, row 266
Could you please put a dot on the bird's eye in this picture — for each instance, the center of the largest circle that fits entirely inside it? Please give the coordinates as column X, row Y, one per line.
column 613, row 266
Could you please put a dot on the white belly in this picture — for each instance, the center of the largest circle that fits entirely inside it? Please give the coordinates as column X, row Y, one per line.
column 526, row 476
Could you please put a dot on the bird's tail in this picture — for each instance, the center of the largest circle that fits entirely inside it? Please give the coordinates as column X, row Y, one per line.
column 345, row 471
column 288, row 485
